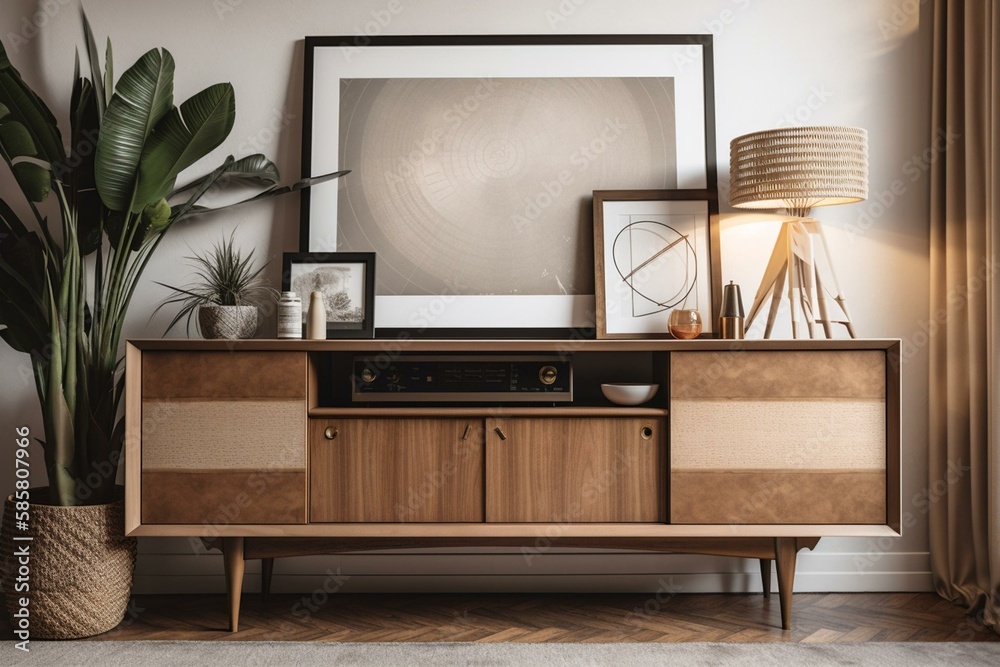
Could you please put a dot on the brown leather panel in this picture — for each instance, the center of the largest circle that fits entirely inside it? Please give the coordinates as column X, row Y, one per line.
column 230, row 498
column 223, row 375
column 779, row 374
column 777, row 497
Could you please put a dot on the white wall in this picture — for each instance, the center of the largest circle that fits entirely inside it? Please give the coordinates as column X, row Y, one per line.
column 850, row 62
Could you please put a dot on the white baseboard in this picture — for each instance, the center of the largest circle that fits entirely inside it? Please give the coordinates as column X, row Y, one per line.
column 181, row 570
column 680, row 584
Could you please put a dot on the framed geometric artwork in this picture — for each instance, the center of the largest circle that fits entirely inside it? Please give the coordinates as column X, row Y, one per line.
column 347, row 283
column 655, row 250
column 474, row 158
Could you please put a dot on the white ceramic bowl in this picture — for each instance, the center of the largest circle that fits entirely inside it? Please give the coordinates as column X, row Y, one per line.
column 629, row 393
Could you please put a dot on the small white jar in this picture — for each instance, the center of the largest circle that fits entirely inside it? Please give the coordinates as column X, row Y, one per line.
column 289, row 315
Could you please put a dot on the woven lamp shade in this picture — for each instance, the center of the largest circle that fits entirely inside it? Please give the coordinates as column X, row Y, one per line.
column 799, row 167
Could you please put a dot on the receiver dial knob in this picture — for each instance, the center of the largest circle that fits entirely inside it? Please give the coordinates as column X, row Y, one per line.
column 367, row 375
column 548, row 375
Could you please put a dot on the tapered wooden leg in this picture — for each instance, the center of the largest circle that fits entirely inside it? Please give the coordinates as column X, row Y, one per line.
column 785, row 549
column 765, row 575
column 232, row 554
column 266, row 570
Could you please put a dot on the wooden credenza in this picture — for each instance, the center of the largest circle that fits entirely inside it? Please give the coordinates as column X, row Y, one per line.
column 751, row 448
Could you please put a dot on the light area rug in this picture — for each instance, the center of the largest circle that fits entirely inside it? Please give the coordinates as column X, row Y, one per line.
column 304, row 654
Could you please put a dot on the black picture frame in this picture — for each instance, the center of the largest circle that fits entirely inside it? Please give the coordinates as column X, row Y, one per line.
column 366, row 329
column 351, row 49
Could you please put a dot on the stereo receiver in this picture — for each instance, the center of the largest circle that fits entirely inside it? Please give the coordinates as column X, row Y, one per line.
column 479, row 378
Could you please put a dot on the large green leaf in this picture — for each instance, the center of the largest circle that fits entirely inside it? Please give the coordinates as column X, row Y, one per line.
column 22, row 304
column 143, row 96
column 113, row 225
column 22, row 277
column 34, row 179
column 155, row 219
column 184, row 136
column 11, row 223
column 272, row 192
column 25, row 107
column 85, row 125
column 14, row 137
column 206, row 184
column 101, row 86
column 251, row 170
column 109, row 71
column 60, row 444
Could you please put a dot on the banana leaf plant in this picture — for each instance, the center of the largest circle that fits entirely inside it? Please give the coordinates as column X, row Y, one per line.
column 67, row 279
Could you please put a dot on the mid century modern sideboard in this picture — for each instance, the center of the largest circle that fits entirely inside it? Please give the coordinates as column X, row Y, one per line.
column 754, row 449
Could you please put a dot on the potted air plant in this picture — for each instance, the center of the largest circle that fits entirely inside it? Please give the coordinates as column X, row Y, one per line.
column 226, row 293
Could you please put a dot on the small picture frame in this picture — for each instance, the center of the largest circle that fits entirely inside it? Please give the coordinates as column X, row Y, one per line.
column 347, row 281
column 655, row 251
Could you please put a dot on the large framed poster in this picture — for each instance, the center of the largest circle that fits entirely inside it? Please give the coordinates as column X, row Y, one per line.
column 474, row 160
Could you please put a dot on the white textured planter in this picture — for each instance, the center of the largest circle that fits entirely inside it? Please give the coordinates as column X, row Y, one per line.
column 227, row 321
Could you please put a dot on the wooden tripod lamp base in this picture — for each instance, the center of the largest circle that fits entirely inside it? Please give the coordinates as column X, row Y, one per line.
column 795, row 270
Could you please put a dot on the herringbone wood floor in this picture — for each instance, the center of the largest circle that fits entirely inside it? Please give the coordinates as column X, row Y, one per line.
column 552, row 618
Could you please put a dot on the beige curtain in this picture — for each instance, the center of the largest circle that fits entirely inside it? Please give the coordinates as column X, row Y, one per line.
column 964, row 484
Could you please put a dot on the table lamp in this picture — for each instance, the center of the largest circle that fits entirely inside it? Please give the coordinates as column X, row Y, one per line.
column 797, row 168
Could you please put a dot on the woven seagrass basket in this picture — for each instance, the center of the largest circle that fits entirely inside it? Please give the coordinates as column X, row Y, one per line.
column 81, row 566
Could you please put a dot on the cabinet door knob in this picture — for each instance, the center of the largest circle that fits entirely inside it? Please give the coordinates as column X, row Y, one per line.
column 331, row 432
column 499, row 431
column 468, row 430
column 646, row 432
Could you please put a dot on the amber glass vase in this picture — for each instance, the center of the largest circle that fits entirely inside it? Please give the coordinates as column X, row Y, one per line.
column 684, row 324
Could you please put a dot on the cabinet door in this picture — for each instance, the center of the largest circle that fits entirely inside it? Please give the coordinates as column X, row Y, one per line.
column 223, row 437
column 396, row 470
column 575, row 470
column 783, row 437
